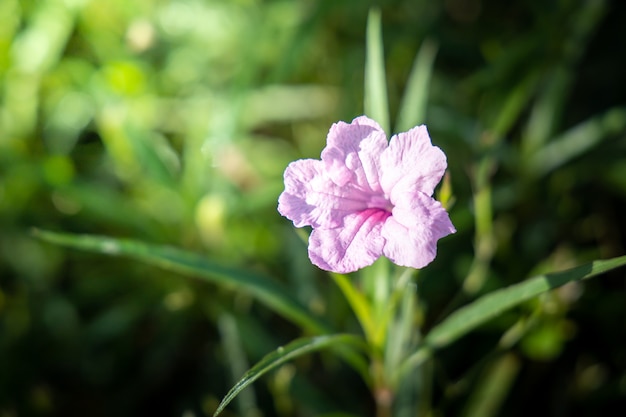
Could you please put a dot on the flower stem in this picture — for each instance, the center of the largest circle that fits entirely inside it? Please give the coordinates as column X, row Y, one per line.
column 383, row 394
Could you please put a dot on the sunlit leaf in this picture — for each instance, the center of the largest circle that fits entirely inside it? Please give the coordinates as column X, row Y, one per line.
column 360, row 305
column 469, row 317
column 264, row 289
column 576, row 141
column 491, row 305
column 412, row 110
column 376, row 105
column 283, row 354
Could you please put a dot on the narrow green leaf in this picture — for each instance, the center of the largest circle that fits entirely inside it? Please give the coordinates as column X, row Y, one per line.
column 376, row 105
column 286, row 353
column 576, row 141
column 413, row 107
column 513, row 105
column 153, row 153
column 236, row 361
column 493, row 386
column 488, row 306
column 264, row 289
column 545, row 116
column 360, row 305
column 467, row 318
column 547, row 108
column 402, row 333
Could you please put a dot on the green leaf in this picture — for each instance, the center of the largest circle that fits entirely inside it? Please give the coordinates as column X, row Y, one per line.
column 493, row 386
column 153, row 153
column 513, row 105
column 264, row 289
column 361, row 307
column 413, row 107
column 402, row 331
column 576, row 141
column 546, row 113
column 547, row 109
column 376, row 105
column 491, row 305
column 236, row 360
column 469, row 317
column 286, row 353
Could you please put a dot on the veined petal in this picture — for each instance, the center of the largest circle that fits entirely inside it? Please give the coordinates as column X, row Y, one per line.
column 352, row 153
column 355, row 245
column 366, row 198
column 292, row 202
column 411, row 159
column 311, row 198
column 411, row 233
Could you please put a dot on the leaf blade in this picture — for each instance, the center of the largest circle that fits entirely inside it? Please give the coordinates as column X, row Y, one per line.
column 413, row 107
column 488, row 306
column 575, row 142
column 358, row 302
column 467, row 318
column 376, row 102
column 266, row 290
column 283, row 354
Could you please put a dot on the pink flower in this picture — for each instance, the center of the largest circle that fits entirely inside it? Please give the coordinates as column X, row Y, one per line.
column 366, row 198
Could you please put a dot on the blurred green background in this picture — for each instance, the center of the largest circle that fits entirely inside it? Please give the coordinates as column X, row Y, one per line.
column 172, row 122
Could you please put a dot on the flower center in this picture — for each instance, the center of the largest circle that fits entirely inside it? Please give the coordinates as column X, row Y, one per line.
column 380, row 202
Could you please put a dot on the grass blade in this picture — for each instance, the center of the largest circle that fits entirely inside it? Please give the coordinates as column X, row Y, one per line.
column 493, row 387
column 283, row 354
column 413, row 107
column 359, row 304
column 576, row 141
column 467, row 318
column 236, row 362
column 488, row 306
column 376, row 105
column 264, row 289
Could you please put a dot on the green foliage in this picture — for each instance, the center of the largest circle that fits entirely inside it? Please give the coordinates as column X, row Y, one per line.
column 170, row 123
column 258, row 286
column 375, row 101
column 283, row 354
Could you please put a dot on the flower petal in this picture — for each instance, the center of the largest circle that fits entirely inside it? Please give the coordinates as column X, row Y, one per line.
column 352, row 153
column 311, row 198
column 411, row 159
column 366, row 198
column 355, row 245
column 417, row 223
column 292, row 202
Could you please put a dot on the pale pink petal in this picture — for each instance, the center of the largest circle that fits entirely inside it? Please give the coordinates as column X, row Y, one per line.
column 412, row 160
column 418, row 209
column 311, row 198
column 292, row 202
column 366, row 198
column 417, row 223
column 355, row 245
column 352, row 153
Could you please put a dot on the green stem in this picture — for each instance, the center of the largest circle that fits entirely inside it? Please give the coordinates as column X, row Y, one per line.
column 361, row 307
column 383, row 394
